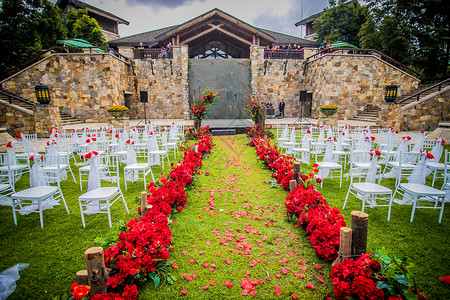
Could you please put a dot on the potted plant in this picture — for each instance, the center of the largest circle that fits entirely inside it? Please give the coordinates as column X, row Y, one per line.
column 328, row 110
column 117, row 111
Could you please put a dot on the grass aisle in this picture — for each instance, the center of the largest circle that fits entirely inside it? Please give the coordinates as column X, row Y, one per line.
column 234, row 239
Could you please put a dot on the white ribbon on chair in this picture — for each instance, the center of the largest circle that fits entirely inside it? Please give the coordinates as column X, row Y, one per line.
column 94, row 174
column 403, row 148
column 37, row 175
column 130, row 160
column 328, row 157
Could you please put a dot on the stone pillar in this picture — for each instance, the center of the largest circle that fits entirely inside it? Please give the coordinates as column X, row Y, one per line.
column 257, row 61
column 328, row 120
column 46, row 117
column 180, row 62
column 119, row 122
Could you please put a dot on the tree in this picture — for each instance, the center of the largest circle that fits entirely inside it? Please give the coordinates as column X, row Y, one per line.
column 415, row 32
column 25, row 27
column 340, row 22
column 81, row 26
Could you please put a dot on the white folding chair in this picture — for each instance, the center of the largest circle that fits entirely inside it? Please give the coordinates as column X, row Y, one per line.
column 304, row 150
column 327, row 167
column 416, row 191
column 368, row 191
column 133, row 171
column 40, row 196
column 99, row 199
column 10, row 165
column 6, row 184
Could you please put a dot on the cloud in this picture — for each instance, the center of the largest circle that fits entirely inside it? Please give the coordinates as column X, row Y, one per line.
column 161, row 3
column 285, row 23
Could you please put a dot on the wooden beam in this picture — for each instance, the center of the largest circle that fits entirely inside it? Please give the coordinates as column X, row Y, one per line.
column 235, row 36
column 213, row 27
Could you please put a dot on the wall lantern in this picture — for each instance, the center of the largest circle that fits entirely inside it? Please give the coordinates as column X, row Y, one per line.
column 391, row 93
column 42, row 94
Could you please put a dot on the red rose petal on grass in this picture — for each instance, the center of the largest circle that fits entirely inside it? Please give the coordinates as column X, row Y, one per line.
column 184, row 292
column 277, row 275
column 301, row 275
column 277, row 253
column 214, row 265
column 193, row 246
column 184, row 252
column 175, row 266
column 247, row 273
column 211, row 269
column 194, row 275
column 192, row 260
column 294, row 296
column 301, row 262
column 206, row 287
column 201, row 252
column 212, row 282
column 318, row 266
column 291, row 254
column 309, row 285
column 244, row 293
column 219, row 254
column 253, row 293
column 302, row 268
column 205, row 264
column 321, row 280
column 293, row 237
column 285, row 260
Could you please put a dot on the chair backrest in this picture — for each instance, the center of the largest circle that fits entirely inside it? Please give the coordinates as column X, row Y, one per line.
column 5, row 177
column 419, row 144
column 329, row 146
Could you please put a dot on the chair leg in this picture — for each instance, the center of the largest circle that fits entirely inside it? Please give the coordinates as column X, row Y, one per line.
column 442, row 209
column 415, row 200
column 14, row 211
column 41, row 215
column 390, row 206
column 124, row 203
column 82, row 214
column 109, row 214
column 81, row 183
column 346, row 198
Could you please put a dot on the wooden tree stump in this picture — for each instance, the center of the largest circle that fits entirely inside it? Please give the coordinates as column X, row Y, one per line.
column 144, row 203
column 292, row 184
column 345, row 245
column 359, row 232
column 97, row 273
column 297, row 168
column 82, row 277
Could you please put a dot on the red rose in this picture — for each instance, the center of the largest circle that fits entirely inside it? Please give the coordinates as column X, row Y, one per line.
column 375, row 266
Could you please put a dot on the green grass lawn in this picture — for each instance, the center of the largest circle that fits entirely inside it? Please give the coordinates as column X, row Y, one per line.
column 225, row 204
column 56, row 252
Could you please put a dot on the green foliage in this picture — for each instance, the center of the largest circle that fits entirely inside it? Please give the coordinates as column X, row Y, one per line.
column 340, row 23
column 414, row 32
column 81, row 26
column 25, row 28
column 396, row 275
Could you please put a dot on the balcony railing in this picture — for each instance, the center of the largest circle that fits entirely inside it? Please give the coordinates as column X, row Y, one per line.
column 153, row 53
column 283, row 54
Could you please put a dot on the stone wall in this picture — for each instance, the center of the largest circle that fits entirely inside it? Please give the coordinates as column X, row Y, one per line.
column 166, row 81
column 353, row 82
column 276, row 79
column 424, row 116
column 16, row 120
column 82, row 85
column 40, row 120
column 126, row 51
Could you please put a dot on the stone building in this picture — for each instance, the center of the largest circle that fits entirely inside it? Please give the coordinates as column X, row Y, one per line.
column 228, row 55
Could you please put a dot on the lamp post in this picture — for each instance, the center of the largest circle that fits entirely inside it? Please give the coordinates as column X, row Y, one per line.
column 391, row 93
column 42, row 94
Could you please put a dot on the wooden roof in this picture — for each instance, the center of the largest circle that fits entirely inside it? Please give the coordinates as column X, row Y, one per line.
column 90, row 8
column 212, row 25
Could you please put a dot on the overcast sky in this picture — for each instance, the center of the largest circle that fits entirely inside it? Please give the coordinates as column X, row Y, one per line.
column 146, row 15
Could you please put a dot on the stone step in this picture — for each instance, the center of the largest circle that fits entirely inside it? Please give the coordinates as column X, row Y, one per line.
column 367, row 119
